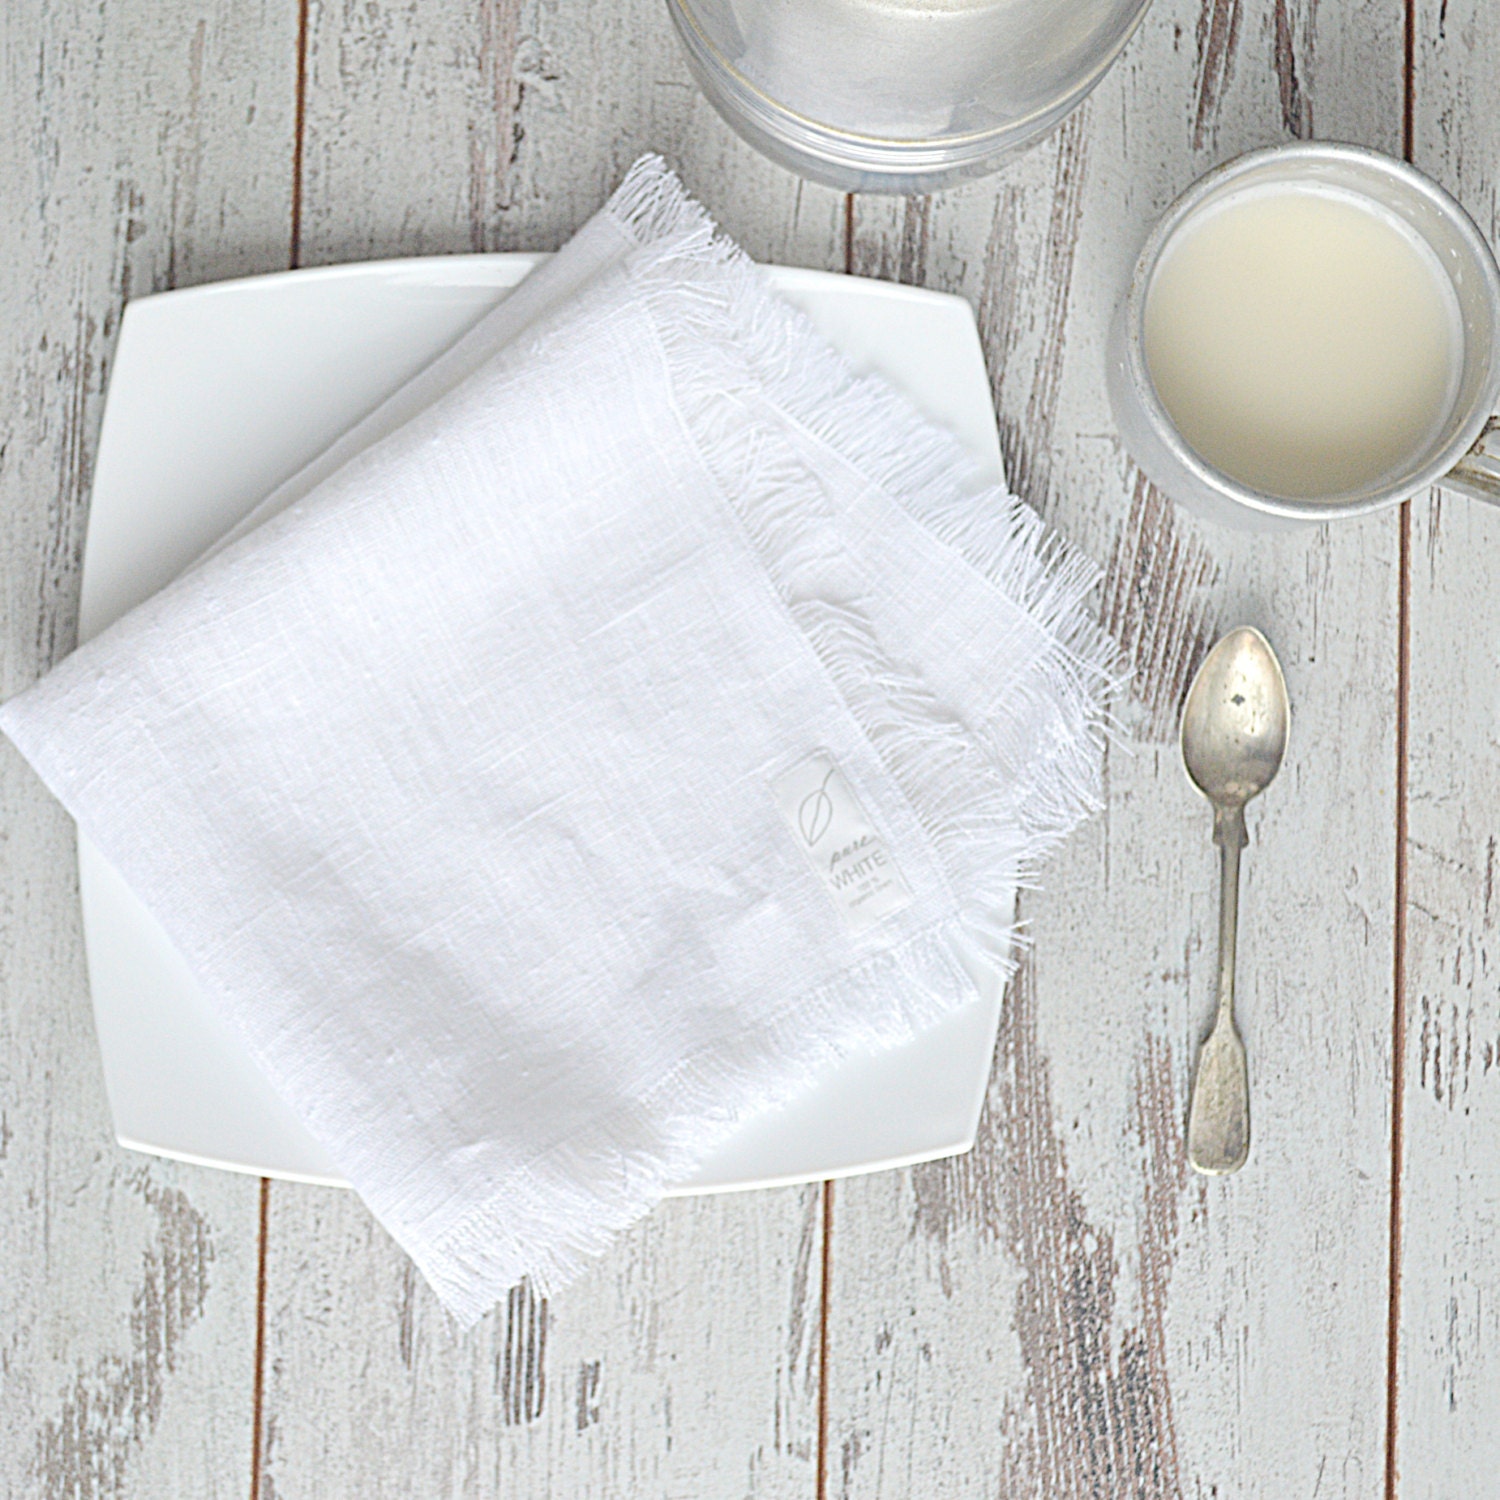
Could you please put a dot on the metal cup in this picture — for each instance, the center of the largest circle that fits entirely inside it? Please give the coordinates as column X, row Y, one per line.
column 1465, row 453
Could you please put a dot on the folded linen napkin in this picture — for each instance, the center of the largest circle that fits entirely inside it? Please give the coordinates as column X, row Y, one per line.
column 637, row 714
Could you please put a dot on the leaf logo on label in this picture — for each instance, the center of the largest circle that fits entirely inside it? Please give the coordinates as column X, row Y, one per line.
column 816, row 812
column 845, row 850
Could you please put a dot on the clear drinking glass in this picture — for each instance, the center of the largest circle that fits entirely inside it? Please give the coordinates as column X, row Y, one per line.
column 899, row 96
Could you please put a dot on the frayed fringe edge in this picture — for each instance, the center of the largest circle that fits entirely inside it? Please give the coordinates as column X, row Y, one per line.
column 994, row 807
column 551, row 1219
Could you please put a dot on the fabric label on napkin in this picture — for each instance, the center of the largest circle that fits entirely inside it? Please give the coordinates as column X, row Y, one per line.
column 851, row 858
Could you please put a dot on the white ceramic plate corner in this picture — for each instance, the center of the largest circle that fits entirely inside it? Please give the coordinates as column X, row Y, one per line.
column 219, row 393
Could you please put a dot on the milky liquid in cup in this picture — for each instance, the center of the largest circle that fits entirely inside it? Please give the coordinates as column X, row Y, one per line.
column 1304, row 341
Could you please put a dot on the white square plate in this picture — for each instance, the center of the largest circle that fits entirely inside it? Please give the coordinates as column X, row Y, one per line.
column 221, row 392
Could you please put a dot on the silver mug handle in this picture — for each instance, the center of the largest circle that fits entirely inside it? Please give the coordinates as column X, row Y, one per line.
column 1477, row 473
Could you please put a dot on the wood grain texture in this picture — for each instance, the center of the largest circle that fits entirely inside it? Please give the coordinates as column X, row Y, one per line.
column 620, row 87
column 451, row 126
column 142, row 145
column 686, row 1363
column 1449, row 1370
column 1067, row 1312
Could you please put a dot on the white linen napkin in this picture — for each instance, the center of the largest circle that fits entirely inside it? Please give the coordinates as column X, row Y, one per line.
column 637, row 714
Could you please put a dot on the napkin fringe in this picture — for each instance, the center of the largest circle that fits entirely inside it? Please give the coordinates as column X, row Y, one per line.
column 872, row 425
column 550, row 1218
column 995, row 813
column 965, row 804
column 651, row 205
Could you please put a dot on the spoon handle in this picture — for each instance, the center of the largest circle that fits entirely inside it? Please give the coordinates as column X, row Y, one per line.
column 1230, row 836
column 1219, row 1117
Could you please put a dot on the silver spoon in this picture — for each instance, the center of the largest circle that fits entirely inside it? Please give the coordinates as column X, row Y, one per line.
column 1234, row 728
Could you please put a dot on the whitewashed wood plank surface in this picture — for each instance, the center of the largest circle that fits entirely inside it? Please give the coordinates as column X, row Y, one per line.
column 1068, row 1312
column 687, row 1363
column 142, row 144
column 504, row 125
column 1065, row 1312
column 1448, row 1376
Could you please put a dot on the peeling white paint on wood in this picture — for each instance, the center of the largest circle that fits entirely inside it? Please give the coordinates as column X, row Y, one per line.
column 141, row 145
column 686, row 1363
column 1449, row 1370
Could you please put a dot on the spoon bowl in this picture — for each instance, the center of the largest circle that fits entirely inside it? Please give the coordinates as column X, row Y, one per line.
column 1234, row 723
